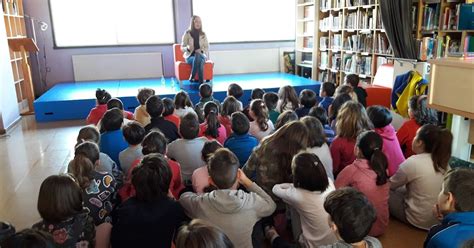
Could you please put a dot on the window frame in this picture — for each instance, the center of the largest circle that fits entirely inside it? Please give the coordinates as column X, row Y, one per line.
column 55, row 46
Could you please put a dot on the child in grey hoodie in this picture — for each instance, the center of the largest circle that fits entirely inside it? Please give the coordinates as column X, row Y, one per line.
column 233, row 211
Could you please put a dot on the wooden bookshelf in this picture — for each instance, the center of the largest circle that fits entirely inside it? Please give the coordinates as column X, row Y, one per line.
column 351, row 40
column 436, row 28
column 305, row 46
column 15, row 26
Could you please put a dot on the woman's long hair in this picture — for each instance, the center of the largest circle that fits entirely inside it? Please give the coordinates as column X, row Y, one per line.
column 261, row 113
column 287, row 95
column 191, row 25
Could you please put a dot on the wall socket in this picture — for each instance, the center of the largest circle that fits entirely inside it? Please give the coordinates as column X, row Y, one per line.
column 48, row 69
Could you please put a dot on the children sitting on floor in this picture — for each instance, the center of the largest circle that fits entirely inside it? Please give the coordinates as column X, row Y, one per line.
column 62, row 214
column 455, row 210
column 420, row 114
column 326, row 92
column 200, row 234
column 183, row 104
column 235, row 212
column 212, row 128
column 307, row 101
column 351, row 121
column 168, row 111
column 112, row 141
column 154, row 106
column 241, row 143
column 102, row 97
column 271, row 101
column 306, row 195
column 230, row 106
column 317, row 143
column 140, row 114
column 261, row 126
column 353, row 81
column 368, row 174
column 151, row 216
column 205, row 92
column 320, row 114
column 133, row 133
column 187, row 150
column 236, row 91
column 382, row 119
column 287, row 99
column 422, row 174
column 335, row 107
column 99, row 189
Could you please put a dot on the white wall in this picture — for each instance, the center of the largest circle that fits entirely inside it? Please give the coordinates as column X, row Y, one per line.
column 8, row 105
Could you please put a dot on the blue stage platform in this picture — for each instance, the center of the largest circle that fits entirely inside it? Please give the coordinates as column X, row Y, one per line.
column 69, row 101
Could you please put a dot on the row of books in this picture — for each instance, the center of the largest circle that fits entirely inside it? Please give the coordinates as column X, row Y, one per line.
column 381, row 61
column 382, row 45
column 438, row 47
column 336, row 42
column 359, row 43
column 308, row 12
column 331, row 22
column 328, row 76
column 431, row 17
column 327, row 4
column 357, row 64
column 351, row 3
column 361, row 19
column 308, row 42
column 323, row 43
column 450, row 17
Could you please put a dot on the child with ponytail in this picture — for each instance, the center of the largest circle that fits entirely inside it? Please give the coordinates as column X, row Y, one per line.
column 262, row 126
column 422, row 174
column 368, row 174
column 420, row 115
column 98, row 188
column 102, row 97
column 212, row 128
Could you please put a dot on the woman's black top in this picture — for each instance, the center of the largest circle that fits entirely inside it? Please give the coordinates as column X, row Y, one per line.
column 195, row 35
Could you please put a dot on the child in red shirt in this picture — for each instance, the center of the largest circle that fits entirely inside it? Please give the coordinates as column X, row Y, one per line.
column 102, row 97
column 420, row 115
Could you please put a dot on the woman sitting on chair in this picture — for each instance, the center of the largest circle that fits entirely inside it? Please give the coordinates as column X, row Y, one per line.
column 195, row 48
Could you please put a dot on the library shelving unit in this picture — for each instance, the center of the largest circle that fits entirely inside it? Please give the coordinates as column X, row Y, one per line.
column 305, row 46
column 351, row 40
column 15, row 26
column 437, row 28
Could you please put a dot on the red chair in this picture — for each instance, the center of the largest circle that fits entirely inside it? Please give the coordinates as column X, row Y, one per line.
column 182, row 70
column 380, row 92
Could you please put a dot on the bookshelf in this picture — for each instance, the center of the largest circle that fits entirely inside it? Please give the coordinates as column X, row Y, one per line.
column 305, row 47
column 15, row 26
column 351, row 40
column 440, row 30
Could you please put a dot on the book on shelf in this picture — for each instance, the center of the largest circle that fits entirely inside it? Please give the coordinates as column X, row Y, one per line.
column 381, row 61
column 336, row 21
column 336, row 61
column 366, row 43
column 366, row 19
column 324, row 60
column 336, row 42
column 466, row 17
column 325, row 23
column 426, row 48
column 378, row 20
column 469, row 46
column 307, row 57
column 352, row 20
column 323, row 43
column 382, row 45
column 308, row 12
column 353, row 3
column 351, row 43
column 308, row 42
column 325, row 4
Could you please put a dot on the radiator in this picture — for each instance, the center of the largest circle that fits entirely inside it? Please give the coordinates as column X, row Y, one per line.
column 117, row 66
column 246, row 61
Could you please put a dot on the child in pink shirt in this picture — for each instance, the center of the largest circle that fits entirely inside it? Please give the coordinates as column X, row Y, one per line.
column 382, row 119
column 368, row 174
column 102, row 97
column 350, row 122
column 212, row 128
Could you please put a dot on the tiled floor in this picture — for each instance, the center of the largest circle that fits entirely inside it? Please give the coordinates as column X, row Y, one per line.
column 33, row 151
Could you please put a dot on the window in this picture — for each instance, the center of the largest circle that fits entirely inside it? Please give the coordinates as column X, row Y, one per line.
column 246, row 20
column 80, row 23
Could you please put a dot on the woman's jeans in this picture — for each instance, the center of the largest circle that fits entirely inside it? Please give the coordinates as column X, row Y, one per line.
column 197, row 62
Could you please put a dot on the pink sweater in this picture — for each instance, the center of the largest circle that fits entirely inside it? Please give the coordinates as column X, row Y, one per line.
column 391, row 148
column 342, row 152
column 360, row 176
